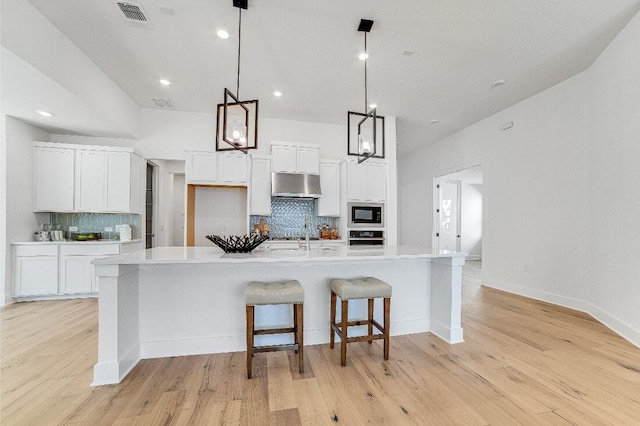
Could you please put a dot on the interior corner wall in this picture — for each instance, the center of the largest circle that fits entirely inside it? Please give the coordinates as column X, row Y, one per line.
column 536, row 193
column 19, row 191
column 614, row 180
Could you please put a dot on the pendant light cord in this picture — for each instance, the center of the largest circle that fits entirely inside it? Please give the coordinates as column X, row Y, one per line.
column 366, row 59
column 239, row 43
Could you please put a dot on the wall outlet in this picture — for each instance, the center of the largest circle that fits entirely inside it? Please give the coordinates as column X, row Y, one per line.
column 73, row 229
column 108, row 229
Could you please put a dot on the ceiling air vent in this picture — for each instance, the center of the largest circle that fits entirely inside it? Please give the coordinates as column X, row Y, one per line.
column 134, row 14
column 162, row 102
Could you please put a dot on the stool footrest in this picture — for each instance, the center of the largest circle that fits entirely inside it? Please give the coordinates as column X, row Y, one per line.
column 274, row 330
column 271, row 348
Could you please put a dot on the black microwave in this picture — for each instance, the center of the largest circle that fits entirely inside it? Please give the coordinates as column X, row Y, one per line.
column 366, row 215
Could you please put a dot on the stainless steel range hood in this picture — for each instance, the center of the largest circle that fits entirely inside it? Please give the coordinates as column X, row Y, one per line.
column 295, row 185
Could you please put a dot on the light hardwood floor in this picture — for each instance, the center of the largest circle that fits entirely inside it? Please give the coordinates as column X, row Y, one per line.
column 523, row 362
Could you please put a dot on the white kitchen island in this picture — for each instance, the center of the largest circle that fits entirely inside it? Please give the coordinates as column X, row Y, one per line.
column 174, row 301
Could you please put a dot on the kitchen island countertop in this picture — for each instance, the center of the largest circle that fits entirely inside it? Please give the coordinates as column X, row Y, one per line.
column 184, row 255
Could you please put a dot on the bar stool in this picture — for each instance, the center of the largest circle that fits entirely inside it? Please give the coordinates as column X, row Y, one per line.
column 359, row 288
column 288, row 292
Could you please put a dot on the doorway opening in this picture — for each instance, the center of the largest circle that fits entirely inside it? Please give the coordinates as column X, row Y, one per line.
column 457, row 217
column 150, row 205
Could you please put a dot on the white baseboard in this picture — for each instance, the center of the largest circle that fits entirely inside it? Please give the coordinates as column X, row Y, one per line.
column 610, row 321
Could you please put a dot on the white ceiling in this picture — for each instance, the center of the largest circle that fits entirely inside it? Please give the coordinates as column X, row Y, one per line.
column 308, row 50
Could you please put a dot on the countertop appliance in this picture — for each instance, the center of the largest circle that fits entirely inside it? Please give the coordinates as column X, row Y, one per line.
column 366, row 215
column 298, row 185
column 366, row 238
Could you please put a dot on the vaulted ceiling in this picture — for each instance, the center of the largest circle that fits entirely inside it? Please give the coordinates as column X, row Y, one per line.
column 430, row 60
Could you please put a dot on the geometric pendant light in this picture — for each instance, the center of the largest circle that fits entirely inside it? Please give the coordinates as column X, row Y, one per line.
column 365, row 132
column 237, row 121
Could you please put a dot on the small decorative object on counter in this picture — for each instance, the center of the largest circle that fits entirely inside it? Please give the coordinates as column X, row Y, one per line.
column 238, row 244
column 324, row 231
column 86, row 236
column 262, row 228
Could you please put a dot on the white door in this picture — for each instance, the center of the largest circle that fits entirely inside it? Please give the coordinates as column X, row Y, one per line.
column 448, row 215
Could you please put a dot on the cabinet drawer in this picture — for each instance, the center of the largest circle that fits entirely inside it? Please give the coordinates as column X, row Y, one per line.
column 89, row 249
column 37, row 250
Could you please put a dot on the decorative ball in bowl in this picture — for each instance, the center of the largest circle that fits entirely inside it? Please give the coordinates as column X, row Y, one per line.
column 238, row 243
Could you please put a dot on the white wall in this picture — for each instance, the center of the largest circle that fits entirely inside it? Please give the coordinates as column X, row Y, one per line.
column 560, row 189
column 219, row 211
column 615, row 183
column 535, row 200
column 21, row 221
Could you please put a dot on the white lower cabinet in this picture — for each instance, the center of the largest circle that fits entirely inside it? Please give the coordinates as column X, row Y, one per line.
column 76, row 270
column 36, row 270
column 58, row 270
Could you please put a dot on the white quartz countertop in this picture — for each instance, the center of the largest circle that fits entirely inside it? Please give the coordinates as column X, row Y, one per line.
column 40, row 243
column 194, row 255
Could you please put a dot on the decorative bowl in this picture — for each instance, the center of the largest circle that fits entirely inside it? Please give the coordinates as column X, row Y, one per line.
column 237, row 243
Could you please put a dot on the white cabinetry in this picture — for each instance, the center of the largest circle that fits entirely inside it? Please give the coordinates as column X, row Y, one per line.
column 59, row 270
column 35, row 270
column 260, row 186
column 53, row 178
column 295, row 158
column 86, row 178
column 217, row 168
column 329, row 201
column 366, row 181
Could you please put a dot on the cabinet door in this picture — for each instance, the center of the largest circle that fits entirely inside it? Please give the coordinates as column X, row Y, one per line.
column 329, row 201
column 91, row 180
column 76, row 274
column 138, row 191
column 260, row 188
column 284, row 158
column 53, row 179
column 119, row 182
column 36, row 275
column 202, row 166
column 357, row 181
column 308, row 160
column 377, row 181
column 233, row 167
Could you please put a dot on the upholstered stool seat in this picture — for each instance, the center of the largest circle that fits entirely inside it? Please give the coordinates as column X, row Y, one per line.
column 287, row 292
column 359, row 288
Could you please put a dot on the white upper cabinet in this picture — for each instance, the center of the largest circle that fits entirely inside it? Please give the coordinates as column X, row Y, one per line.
column 53, row 178
column 295, row 158
column 260, row 187
column 91, row 180
column 87, row 179
column 366, row 181
column 329, row 201
column 217, row 168
column 202, row 166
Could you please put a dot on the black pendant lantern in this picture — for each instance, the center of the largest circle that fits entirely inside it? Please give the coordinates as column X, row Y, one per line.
column 237, row 121
column 365, row 132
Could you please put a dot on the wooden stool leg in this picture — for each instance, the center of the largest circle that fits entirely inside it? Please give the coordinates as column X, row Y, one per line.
column 299, row 319
column 250, row 328
column 387, row 323
column 332, row 336
column 370, row 320
column 343, row 332
column 295, row 325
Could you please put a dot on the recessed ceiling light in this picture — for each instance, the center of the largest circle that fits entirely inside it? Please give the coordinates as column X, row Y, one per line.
column 435, row 121
column 277, row 93
column 222, row 34
column 165, row 82
column 498, row 83
column 44, row 113
column 363, row 56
